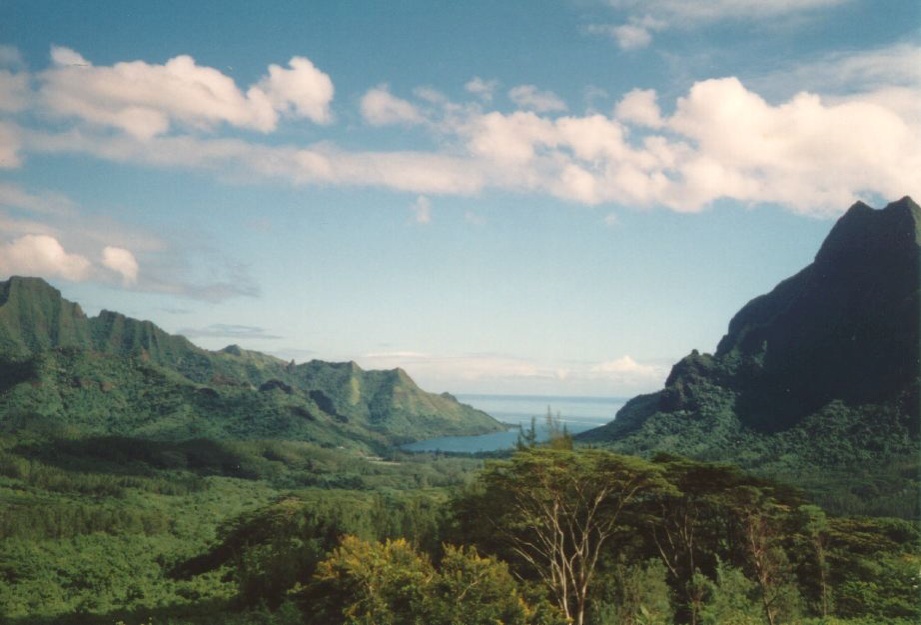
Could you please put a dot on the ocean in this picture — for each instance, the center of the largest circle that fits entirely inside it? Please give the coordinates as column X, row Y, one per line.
column 578, row 414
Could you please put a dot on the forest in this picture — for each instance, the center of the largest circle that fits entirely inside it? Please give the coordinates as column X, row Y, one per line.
column 131, row 532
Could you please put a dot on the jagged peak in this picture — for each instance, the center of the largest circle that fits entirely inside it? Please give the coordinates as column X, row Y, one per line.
column 27, row 284
column 863, row 228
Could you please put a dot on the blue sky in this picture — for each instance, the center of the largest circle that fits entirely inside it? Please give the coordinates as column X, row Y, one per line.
column 500, row 197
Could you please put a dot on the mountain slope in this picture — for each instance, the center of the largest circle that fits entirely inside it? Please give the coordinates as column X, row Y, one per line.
column 64, row 372
column 818, row 377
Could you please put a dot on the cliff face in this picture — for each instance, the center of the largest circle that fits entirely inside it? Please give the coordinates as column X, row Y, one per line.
column 845, row 328
column 821, row 372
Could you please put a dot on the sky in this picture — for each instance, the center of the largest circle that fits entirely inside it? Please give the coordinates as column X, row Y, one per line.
column 527, row 197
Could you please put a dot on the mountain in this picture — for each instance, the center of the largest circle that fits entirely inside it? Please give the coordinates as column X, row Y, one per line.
column 816, row 381
column 66, row 373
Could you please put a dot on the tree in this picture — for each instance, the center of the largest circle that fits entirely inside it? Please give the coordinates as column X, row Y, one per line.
column 373, row 583
column 370, row 583
column 558, row 510
column 759, row 517
column 474, row 590
column 687, row 525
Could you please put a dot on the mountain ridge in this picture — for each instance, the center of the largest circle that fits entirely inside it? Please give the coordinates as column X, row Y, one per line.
column 65, row 370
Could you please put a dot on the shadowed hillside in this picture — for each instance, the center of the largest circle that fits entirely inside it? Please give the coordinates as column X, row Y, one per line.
column 816, row 381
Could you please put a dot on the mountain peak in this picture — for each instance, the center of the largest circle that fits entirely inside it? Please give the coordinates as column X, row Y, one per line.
column 865, row 230
column 34, row 316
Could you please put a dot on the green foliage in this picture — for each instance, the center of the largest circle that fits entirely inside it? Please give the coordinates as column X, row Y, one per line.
column 733, row 598
column 389, row 583
column 67, row 374
column 556, row 511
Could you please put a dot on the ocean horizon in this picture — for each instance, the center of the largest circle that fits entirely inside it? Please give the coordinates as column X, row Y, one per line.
column 576, row 413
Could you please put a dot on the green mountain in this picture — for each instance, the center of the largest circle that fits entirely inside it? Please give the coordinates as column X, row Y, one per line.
column 816, row 382
column 62, row 372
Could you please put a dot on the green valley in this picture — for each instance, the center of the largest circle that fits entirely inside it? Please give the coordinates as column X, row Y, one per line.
column 147, row 481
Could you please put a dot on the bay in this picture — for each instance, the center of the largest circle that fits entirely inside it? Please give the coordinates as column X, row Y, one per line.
column 578, row 414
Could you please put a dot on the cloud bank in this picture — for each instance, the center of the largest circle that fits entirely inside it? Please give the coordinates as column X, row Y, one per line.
column 513, row 374
column 811, row 152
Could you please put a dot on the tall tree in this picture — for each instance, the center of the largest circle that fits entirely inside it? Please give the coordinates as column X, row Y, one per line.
column 559, row 509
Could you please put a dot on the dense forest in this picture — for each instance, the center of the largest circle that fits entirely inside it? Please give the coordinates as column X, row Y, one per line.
column 115, row 530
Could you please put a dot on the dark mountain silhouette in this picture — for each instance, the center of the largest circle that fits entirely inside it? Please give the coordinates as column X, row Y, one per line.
column 823, row 369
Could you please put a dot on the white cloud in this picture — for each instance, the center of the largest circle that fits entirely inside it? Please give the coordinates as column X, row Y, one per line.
column 302, row 91
column 645, row 17
column 147, row 100
column 483, row 89
column 381, row 108
column 42, row 256
column 45, row 233
column 722, row 140
column 122, row 262
column 634, row 35
column 422, row 210
column 625, row 366
column 531, row 98
column 640, row 107
column 802, row 150
column 478, row 372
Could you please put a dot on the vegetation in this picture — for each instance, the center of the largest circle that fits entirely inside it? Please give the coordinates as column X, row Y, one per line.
column 104, row 531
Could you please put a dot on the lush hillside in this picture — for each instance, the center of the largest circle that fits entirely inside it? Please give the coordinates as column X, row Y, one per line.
column 816, row 382
column 63, row 372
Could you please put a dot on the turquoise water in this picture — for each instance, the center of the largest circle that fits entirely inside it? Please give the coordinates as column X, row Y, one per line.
column 578, row 414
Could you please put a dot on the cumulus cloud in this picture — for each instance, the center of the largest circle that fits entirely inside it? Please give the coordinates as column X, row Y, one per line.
column 483, row 89
column 531, row 98
column 640, row 107
column 122, row 262
column 815, row 152
column 634, row 35
column 301, row 91
column 42, row 256
column 147, row 100
column 379, row 107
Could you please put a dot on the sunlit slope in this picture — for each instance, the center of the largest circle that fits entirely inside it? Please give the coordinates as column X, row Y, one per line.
column 63, row 371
